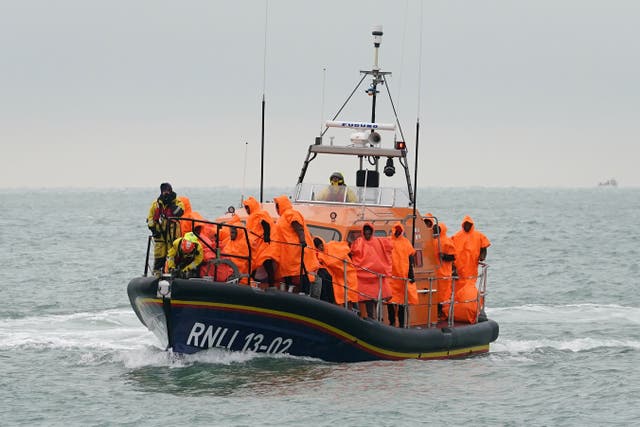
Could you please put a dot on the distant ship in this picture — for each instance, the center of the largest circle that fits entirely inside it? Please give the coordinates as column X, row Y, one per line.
column 608, row 183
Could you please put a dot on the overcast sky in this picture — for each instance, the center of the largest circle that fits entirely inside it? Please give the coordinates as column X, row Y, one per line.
column 527, row 93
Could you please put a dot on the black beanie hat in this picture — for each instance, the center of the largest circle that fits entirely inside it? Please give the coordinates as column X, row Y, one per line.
column 165, row 186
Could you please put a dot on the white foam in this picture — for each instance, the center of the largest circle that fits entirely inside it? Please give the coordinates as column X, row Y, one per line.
column 157, row 357
column 109, row 329
column 576, row 345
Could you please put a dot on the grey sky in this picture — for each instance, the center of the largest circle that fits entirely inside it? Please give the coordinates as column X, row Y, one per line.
column 131, row 93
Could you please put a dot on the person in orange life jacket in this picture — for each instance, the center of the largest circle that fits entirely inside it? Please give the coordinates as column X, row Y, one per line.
column 204, row 231
column 445, row 249
column 264, row 254
column 225, row 232
column 292, row 238
column 187, row 226
column 332, row 256
column 372, row 256
column 471, row 247
column 428, row 220
column 337, row 191
column 402, row 266
column 164, row 230
column 237, row 245
column 206, row 235
column 326, row 293
column 185, row 256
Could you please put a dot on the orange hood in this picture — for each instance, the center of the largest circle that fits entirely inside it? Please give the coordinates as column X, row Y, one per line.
column 254, row 205
column 284, row 204
column 468, row 219
column 395, row 227
column 187, row 204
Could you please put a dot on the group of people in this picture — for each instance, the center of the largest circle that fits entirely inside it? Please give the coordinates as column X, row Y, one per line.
column 184, row 244
column 284, row 254
column 459, row 258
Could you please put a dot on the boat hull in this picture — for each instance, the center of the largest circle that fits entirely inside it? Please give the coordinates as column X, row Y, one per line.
column 200, row 314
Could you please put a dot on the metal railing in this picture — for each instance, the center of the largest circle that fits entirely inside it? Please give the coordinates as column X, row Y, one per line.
column 480, row 282
column 214, row 246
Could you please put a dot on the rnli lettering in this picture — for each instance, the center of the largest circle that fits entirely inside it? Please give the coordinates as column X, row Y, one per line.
column 204, row 336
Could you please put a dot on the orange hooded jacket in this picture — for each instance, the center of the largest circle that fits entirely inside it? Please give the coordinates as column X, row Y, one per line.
column 468, row 246
column 238, row 247
column 225, row 232
column 260, row 250
column 288, row 242
column 445, row 247
column 402, row 250
column 186, row 226
column 374, row 255
column 332, row 258
column 466, row 305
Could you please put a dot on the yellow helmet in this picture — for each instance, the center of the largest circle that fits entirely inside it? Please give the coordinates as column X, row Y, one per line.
column 338, row 176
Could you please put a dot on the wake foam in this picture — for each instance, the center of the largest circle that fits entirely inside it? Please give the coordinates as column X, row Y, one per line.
column 105, row 337
column 575, row 345
column 117, row 329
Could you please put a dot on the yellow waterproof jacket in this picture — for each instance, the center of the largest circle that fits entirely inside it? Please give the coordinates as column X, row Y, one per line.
column 162, row 228
column 337, row 193
column 184, row 262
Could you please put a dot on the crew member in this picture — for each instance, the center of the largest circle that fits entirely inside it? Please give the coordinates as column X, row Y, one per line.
column 337, row 191
column 163, row 229
column 185, row 256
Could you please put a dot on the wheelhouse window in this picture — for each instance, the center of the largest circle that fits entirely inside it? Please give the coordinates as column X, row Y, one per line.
column 325, row 233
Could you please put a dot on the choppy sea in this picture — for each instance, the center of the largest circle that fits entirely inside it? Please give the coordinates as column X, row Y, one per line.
column 563, row 285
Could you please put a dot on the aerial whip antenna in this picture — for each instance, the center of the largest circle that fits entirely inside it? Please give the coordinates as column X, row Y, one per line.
column 264, row 89
column 415, row 179
column 244, row 173
column 404, row 37
column 375, row 70
column 324, row 79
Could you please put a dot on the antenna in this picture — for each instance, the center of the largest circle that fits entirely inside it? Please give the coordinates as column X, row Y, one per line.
column 377, row 39
column 264, row 84
column 324, row 79
column 244, row 173
column 404, row 37
column 415, row 169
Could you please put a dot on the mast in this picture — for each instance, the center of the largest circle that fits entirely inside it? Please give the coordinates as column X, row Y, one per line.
column 373, row 90
column 415, row 171
column 264, row 84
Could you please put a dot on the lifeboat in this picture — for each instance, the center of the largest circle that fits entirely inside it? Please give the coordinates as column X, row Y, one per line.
column 231, row 310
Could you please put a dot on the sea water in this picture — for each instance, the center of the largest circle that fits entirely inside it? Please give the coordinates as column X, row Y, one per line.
column 563, row 285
